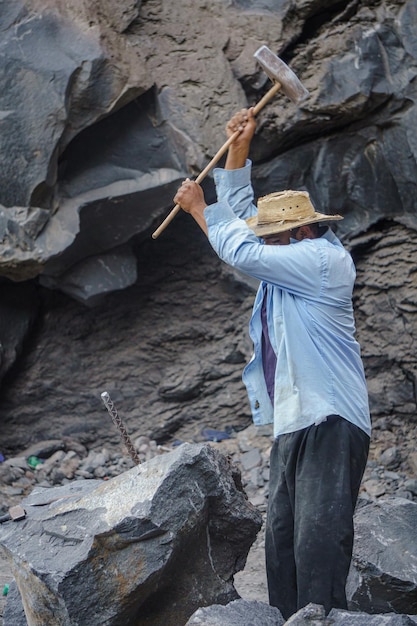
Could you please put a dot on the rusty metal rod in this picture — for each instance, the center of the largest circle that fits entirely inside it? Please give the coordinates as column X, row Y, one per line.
column 117, row 421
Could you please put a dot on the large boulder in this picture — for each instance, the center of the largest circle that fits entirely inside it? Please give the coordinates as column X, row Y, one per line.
column 147, row 547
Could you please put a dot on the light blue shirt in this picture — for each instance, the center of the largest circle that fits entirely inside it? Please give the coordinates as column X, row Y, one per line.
column 309, row 312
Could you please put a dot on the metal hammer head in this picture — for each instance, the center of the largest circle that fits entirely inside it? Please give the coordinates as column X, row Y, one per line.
column 278, row 71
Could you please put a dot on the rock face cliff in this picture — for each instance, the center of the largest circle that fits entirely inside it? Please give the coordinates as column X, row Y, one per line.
column 105, row 107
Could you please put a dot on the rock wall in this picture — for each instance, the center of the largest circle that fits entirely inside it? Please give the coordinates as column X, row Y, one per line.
column 106, row 108
column 169, row 350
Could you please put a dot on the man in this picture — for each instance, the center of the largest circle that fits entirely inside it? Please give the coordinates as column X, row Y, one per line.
column 306, row 374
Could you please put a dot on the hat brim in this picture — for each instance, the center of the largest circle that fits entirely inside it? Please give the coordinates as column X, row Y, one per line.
column 280, row 227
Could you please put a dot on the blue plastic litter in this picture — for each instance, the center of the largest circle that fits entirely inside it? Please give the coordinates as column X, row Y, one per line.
column 214, row 435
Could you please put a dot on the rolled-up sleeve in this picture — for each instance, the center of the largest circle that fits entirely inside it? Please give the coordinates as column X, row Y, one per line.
column 235, row 188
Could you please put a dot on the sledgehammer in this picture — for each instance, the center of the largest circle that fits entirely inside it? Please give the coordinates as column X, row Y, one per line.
column 284, row 79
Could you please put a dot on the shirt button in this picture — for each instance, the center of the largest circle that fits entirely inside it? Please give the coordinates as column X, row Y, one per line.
column 257, row 405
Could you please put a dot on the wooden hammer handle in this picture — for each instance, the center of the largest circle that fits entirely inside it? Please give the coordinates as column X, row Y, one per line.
column 199, row 178
column 267, row 97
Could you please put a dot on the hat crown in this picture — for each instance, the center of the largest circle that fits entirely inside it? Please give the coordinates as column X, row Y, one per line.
column 284, row 206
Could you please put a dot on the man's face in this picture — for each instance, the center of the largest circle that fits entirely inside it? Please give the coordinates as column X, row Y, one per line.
column 279, row 239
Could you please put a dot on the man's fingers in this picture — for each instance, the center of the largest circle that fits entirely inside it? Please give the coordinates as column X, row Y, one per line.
column 238, row 121
column 185, row 191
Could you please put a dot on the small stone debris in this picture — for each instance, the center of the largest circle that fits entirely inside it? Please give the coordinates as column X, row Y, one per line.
column 57, row 462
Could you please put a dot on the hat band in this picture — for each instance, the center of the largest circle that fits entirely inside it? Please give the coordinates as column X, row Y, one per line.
column 282, row 222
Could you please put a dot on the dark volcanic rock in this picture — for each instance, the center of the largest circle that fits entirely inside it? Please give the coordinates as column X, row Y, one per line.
column 148, row 547
column 383, row 576
column 99, row 125
column 237, row 613
column 169, row 350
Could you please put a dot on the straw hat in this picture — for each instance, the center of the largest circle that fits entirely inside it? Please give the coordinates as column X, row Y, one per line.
column 283, row 210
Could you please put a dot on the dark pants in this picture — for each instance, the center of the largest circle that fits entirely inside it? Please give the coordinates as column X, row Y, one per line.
column 314, row 483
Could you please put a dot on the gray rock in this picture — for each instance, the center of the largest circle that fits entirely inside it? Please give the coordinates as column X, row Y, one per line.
column 10, row 473
column 237, row 613
column 14, row 613
column 42, row 496
column 374, row 487
column 18, row 311
column 95, row 460
column 175, row 523
column 254, row 613
column 411, row 485
column 383, row 574
column 345, row 618
column 390, row 458
column 44, row 449
column 16, row 462
column 90, row 279
column 310, row 615
column 251, row 459
column 19, row 229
